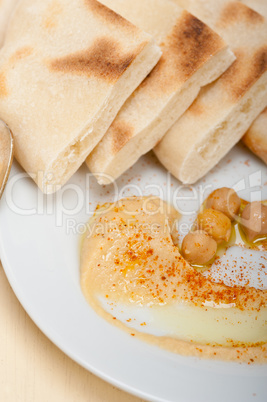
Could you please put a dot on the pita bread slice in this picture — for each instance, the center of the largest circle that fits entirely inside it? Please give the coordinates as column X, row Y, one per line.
column 6, row 9
column 258, row 5
column 193, row 56
column 225, row 109
column 66, row 69
column 256, row 136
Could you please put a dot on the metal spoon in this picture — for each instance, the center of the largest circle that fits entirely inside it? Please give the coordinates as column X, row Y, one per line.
column 6, row 154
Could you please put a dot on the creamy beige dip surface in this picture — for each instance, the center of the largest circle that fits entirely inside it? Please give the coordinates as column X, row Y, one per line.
column 128, row 256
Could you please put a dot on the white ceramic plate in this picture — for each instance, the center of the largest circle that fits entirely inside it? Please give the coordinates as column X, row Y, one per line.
column 39, row 245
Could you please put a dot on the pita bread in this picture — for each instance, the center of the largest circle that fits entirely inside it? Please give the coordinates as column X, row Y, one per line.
column 66, row 69
column 256, row 137
column 193, row 56
column 6, row 9
column 258, row 5
column 224, row 110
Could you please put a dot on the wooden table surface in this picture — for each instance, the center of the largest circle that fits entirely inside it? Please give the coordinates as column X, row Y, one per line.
column 33, row 369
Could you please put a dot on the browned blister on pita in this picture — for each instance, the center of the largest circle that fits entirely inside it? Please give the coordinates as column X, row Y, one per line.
column 66, row 69
column 193, row 55
column 225, row 109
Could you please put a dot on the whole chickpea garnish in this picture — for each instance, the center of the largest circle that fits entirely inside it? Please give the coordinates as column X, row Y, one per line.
column 215, row 223
column 224, row 200
column 198, row 247
column 254, row 220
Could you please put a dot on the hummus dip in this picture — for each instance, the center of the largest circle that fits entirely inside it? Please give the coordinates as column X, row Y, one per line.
column 128, row 256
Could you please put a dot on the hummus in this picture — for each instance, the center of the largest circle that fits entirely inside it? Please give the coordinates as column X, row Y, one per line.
column 128, row 256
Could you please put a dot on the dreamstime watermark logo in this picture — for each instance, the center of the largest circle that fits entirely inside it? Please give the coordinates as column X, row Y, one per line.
column 68, row 202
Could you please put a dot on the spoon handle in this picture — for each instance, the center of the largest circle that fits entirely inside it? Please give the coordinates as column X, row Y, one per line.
column 6, row 154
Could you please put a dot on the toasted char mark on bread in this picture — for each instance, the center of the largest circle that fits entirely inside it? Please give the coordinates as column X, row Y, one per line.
column 104, row 59
column 244, row 72
column 236, row 12
column 13, row 59
column 190, row 44
column 50, row 20
column 108, row 15
column 121, row 133
column 265, row 112
column 20, row 54
column 196, row 43
column 197, row 108
column 3, row 85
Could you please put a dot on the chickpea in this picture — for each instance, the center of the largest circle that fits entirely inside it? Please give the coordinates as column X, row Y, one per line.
column 224, row 200
column 254, row 220
column 215, row 223
column 198, row 247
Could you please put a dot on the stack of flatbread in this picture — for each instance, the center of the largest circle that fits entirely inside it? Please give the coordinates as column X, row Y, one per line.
column 224, row 110
column 66, row 68
column 256, row 136
column 109, row 80
column 6, row 9
column 193, row 56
